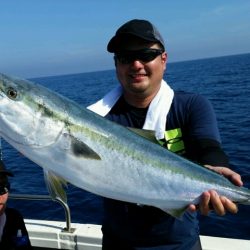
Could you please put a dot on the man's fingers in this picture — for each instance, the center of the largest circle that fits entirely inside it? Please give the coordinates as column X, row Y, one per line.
column 217, row 203
column 229, row 205
column 204, row 204
column 210, row 200
column 234, row 177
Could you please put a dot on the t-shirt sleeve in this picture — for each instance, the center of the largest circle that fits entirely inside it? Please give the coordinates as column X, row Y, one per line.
column 205, row 142
column 202, row 119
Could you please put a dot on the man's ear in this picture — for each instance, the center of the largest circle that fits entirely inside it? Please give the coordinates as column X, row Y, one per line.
column 164, row 57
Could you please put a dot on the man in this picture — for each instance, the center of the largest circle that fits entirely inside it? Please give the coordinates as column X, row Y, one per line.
column 13, row 233
column 190, row 130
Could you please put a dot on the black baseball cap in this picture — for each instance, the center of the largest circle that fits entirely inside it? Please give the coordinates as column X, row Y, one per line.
column 138, row 28
column 3, row 170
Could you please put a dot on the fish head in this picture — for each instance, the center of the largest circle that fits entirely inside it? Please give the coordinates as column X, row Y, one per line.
column 25, row 119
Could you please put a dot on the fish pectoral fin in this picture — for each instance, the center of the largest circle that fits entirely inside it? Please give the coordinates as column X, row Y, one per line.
column 55, row 186
column 80, row 149
column 147, row 134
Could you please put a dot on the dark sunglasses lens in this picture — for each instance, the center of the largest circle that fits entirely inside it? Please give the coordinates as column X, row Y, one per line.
column 147, row 56
column 4, row 189
column 125, row 59
column 143, row 55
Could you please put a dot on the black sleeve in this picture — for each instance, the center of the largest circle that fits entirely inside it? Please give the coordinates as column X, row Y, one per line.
column 200, row 130
column 207, row 151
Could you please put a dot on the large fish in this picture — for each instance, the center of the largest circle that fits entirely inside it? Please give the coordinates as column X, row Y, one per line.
column 74, row 144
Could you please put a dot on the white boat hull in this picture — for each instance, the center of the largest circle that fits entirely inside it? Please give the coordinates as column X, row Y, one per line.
column 51, row 235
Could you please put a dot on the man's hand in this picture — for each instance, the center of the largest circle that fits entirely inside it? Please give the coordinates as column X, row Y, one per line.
column 210, row 200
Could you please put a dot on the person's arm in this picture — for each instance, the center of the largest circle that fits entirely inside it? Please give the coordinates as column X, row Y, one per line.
column 208, row 152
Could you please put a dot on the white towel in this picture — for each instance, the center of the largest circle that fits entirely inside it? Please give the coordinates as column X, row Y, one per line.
column 157, row 111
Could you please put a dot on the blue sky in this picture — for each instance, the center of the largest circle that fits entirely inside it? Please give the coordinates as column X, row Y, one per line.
column 56, row 37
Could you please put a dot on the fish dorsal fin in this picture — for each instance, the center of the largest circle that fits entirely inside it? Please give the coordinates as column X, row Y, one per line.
column 148, row 134
column 55, row 186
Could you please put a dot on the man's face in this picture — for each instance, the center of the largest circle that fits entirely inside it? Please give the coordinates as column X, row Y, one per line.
column 139, row 77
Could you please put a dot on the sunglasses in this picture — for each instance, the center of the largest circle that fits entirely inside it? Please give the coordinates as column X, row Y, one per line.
column 4, row 189
column 143, row 55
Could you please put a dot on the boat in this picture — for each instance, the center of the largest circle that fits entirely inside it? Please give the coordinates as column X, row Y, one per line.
column 45, row 235
column 49, row 234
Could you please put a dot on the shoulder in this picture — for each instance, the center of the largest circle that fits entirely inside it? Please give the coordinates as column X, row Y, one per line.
column 13, row 213
column 10, row 210
column 191, row 103
column 183, row 97
column 14, row 221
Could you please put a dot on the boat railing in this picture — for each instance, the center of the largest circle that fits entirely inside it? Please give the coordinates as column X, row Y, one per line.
column 47, row 197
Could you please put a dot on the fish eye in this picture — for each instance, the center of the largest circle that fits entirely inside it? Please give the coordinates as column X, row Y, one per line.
column 12, row 93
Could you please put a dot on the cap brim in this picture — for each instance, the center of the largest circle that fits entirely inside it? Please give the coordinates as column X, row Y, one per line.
column 112, row 44
column 3, row 169
column 6, row 173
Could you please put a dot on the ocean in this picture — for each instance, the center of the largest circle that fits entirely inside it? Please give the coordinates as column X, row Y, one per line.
column 225, row 81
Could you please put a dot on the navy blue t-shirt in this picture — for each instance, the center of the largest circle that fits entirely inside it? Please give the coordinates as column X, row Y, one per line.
column 129, row 226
